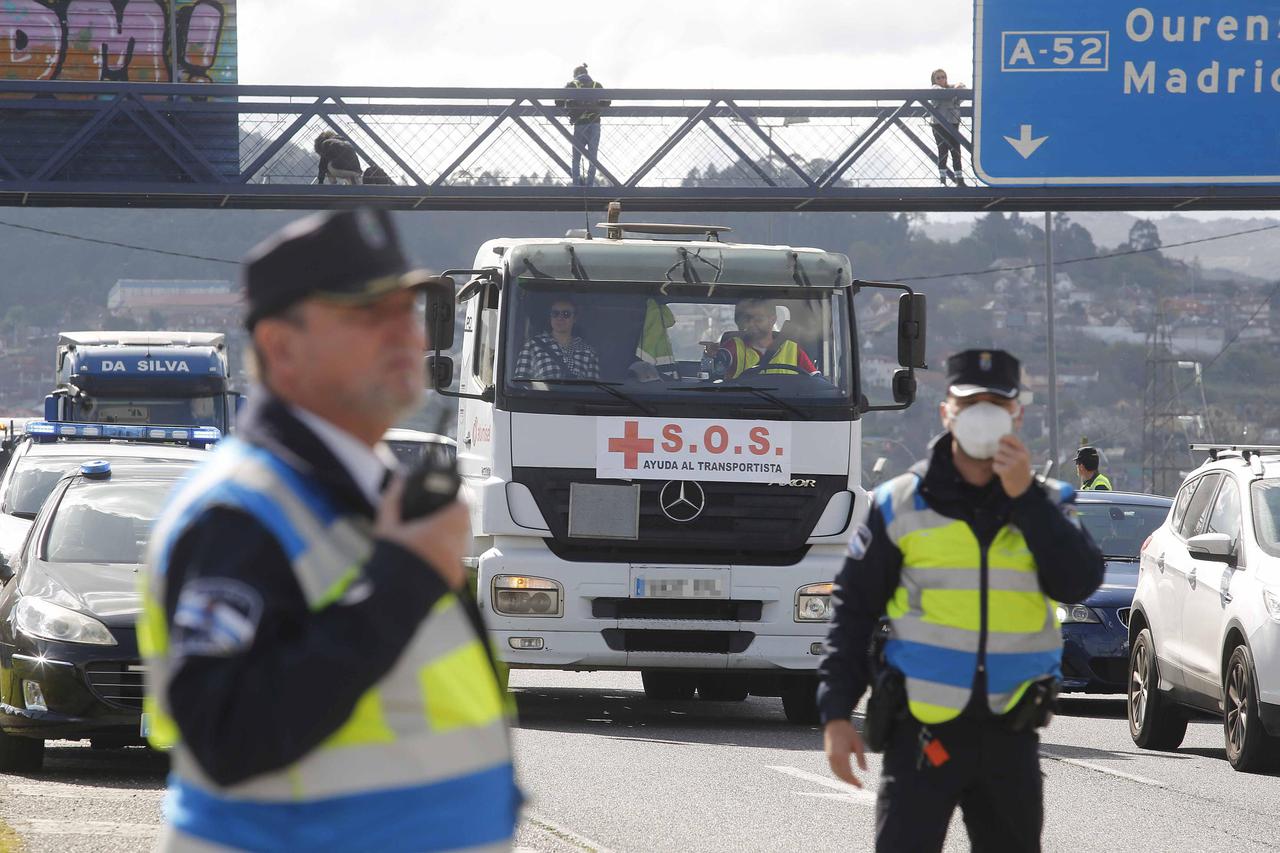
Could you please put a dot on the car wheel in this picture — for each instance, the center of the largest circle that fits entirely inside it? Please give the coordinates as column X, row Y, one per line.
column 1155, row 722
column 666, row 686
column 20, row 754
column 718, row 687
column 800, row 700
column 1249, row 747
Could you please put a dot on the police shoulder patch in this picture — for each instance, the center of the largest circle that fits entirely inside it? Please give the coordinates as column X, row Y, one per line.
column 859, row 542
column 216, row 617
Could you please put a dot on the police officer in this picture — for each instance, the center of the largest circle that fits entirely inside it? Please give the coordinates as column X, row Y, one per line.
column 965, row 556
column 1087, row 463
column 321, row 679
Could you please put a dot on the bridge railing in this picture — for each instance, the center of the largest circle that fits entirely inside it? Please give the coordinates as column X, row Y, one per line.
column 431, row 141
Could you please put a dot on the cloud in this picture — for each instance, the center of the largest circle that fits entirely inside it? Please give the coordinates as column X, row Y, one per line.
column 663, row 43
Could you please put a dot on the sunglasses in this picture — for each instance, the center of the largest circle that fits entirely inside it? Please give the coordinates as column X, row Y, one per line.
column 564, row 315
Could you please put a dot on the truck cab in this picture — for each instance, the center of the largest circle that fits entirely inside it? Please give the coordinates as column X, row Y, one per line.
column 152, row 378
column 649, row 491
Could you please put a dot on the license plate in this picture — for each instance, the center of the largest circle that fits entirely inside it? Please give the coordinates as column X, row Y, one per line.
column 144, row 728
column 668, row 587
column 124, row 414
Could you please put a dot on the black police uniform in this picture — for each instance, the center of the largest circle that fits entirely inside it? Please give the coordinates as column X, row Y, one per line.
column 992, row 772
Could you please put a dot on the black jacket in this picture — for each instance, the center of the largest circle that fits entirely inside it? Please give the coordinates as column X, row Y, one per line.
column 338, row 154
column 1069, row 566
column 297, row 683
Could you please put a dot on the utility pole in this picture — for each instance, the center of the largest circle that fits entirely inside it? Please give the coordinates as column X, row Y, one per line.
column 173, row 41
column 1053, row 355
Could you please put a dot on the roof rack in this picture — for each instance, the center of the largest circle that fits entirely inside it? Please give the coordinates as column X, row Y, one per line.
column 1244, row 451
column 44, row 432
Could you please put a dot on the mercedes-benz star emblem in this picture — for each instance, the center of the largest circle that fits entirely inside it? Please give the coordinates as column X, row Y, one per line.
column 682, row 500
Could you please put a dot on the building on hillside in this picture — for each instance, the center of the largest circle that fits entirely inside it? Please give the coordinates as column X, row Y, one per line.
column 194, row 305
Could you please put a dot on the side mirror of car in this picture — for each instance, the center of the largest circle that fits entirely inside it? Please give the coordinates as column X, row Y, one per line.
column 440, row 311
column 1213, row 548
column 439, row 371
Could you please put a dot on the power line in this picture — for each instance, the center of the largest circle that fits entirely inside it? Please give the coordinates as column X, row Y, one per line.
column 1107, row 256
column 116, row 244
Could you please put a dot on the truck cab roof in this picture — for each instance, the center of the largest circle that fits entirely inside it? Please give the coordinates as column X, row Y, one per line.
column 143, row 339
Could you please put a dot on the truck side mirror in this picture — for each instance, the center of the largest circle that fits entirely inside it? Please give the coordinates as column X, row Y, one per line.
column 904, row 386
column 911, row 336
column 440, row 311
column 439, row 371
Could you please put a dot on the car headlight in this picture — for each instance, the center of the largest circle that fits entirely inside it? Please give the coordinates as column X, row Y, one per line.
column 1076, row 613
column 36, row 617
column 517, row 595
column 813, row 603
column 1271, row 598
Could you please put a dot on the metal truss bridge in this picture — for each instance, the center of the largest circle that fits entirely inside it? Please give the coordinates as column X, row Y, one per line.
column 210, row 146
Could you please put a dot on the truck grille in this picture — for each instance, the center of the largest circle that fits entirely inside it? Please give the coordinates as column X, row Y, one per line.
column 677, row 608
column 117, row 683
column 740, row 522
column 703, row 642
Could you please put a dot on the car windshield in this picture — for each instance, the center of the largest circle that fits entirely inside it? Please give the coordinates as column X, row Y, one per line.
column 1120, row 529
column 650, row 345
column 104, row 521
column 34, row 477
column 168, row 411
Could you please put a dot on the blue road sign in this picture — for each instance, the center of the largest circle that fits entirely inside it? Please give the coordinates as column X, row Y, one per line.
column 1137, row 92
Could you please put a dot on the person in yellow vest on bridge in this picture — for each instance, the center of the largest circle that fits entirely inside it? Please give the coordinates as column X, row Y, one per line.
column 956, row 569
column 313, row 662
column 1088, row 460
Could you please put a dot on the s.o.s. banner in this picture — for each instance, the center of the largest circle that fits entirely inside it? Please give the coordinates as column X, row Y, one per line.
column 693, row 449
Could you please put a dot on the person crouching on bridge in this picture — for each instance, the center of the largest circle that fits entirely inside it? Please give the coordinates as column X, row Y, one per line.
column 338, row 159
column 956, row 571
column 322, row 679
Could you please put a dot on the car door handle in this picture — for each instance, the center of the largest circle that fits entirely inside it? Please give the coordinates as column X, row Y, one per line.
column 1191, row 577
column 1160, row 563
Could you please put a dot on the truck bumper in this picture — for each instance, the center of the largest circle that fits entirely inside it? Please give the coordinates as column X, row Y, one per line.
column 606, row 623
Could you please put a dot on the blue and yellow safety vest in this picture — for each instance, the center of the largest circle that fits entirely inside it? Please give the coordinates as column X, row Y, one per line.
column 425, row 753
column 746, row 357
column 937, row 611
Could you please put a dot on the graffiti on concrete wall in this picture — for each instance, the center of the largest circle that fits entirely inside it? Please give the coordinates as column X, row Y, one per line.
column 118, row 40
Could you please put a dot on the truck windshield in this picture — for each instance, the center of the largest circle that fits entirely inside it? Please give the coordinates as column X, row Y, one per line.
column 654, row 346
column 168, row 411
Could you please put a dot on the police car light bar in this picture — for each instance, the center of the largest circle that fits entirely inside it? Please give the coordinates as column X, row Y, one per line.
column 44, row 432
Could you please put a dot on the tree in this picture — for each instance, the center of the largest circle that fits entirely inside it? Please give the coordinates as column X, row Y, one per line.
column 1144, row 236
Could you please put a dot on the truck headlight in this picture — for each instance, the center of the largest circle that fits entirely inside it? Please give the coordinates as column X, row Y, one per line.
column 36, row 617
column 1068, row 613
column 518, row 595
column 813, row 603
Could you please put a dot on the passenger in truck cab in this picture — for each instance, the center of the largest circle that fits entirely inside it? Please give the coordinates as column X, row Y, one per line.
column 558, row 353
column 757, row 342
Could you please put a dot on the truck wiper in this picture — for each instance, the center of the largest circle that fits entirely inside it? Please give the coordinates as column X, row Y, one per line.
column 762, row 393
column 607, row 387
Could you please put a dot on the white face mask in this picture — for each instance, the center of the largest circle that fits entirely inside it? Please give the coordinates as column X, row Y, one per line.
column 979, row 428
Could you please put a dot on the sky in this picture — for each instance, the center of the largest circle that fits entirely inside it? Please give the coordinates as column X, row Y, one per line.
column 803, row 44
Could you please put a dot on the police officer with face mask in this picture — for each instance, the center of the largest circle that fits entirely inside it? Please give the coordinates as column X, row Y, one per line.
column 955, row 573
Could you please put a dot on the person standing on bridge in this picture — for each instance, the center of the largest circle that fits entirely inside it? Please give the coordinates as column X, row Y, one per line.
column 956, row 571
column 338, row 159
column 944, row 131
column 321, row 677
column 585, row 117
column 1088, row 461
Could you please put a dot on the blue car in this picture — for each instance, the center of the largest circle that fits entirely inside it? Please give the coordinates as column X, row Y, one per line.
column 1095, row 634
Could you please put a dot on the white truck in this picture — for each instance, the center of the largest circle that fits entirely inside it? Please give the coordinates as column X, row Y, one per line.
column 636, row 504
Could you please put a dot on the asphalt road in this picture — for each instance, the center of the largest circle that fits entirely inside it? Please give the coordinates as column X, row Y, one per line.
column 606, row 770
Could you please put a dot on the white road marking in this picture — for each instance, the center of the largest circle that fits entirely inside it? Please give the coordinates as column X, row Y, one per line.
column 1098, row 768
column 542, row 824
column 861, row 795
column 95, row 828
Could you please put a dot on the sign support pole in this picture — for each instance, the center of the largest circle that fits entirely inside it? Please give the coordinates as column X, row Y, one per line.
column 1053, row 355
column 173, row 41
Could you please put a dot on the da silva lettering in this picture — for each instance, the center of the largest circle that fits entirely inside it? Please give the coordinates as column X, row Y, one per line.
column 147, row 365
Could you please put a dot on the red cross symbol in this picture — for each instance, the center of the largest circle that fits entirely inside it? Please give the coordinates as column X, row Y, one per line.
column 631, row 445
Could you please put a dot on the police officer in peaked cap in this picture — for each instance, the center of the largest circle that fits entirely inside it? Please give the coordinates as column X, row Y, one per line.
column 322, row 681
column 1088, row 460
column 945, row 606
